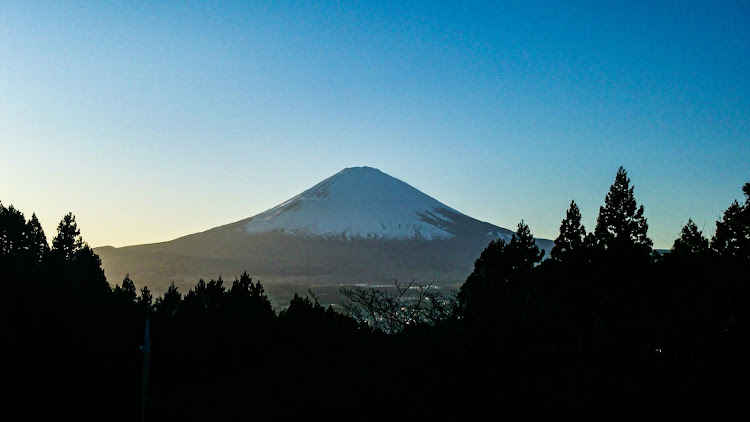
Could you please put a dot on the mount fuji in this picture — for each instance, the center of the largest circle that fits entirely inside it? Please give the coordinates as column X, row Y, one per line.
column 359, row 226
column 362, row 203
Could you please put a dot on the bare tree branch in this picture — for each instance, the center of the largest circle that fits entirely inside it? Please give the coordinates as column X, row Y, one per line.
column 391, row 310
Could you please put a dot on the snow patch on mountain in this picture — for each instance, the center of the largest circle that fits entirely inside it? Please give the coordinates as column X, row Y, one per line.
column 359, row 202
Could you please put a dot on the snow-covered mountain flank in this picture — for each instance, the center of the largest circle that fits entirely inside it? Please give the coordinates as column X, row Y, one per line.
column 360, row 202
column 359, row 226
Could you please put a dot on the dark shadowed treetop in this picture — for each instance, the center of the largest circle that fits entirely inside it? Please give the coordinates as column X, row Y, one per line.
column 303, row 310
column 732, row 237
column 691, row 240
column 486, row 284
column 248, row 299
column 621, row 224
column 21, row 237
column 127, row 291
column 169, row 302
column 37, row 241
column 88, row 268
column 205, row 296
column 12, row 231
column 497, row 267
column 68, row 240
column 522, row 250
column 145, row 300
column 572, row 234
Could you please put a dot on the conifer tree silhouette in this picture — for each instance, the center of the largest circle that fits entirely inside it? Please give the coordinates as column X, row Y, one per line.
column 36, row 240
column 127, row 292
column 732, row 237
column 167, row 304
column 691, row 240
column 621, row 225
column 13, row 238
column 500, row 265
column 68, row 240
column 145, row 300
column 572, row 234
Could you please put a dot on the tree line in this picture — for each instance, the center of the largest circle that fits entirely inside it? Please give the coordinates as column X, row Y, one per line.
column 605, row 327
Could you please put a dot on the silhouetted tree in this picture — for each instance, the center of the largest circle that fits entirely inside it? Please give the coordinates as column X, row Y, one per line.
column 523, row 252
column 572, row 235
column 87, row 272
column 732, row 237
column 145, row 300
column 486, row 285
column 36, row 240
column 621, row 225
column 303, row 310
column 13, row 239
column 312, row 323
column 497, row 275
column 246, row 299
column 127, row 292
column 168, row 303
column 691, row 240
column 68, row 240
column 205, row 296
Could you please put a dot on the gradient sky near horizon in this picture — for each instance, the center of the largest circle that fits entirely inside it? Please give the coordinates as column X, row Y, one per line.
column 154, row 120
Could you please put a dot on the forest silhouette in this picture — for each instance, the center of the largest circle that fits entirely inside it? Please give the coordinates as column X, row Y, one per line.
column 604, row 328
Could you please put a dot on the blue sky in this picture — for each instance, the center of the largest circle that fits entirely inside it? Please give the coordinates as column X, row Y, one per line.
column 155, row 120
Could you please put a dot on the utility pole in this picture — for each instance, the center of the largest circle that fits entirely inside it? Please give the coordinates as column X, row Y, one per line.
column 146, row 348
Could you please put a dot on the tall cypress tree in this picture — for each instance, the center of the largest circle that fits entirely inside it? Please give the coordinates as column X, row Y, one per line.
column 621, row 225
column 572, row 234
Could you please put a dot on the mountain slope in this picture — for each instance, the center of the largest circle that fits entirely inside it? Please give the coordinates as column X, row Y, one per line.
column 360, row 203
column 359, row 226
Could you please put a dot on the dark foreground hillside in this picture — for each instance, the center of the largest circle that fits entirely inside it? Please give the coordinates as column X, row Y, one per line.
column 79, row 360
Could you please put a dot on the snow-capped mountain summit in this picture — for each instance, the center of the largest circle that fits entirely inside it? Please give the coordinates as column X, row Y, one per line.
column 359, row 203
column 359, row 226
